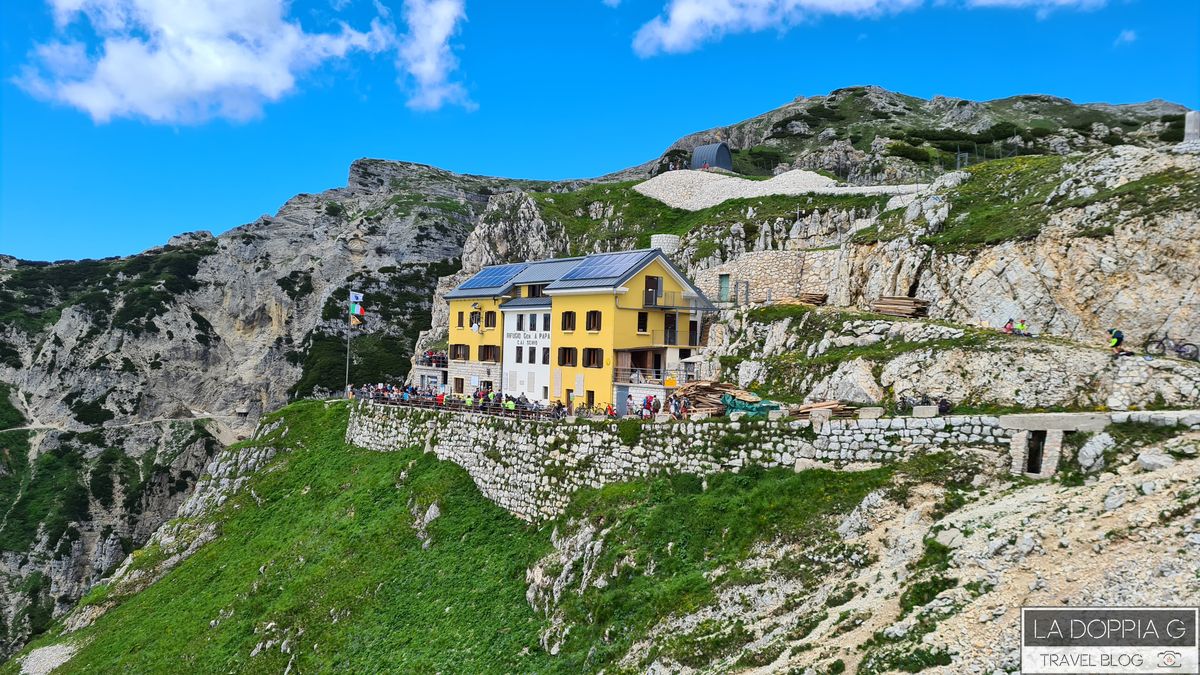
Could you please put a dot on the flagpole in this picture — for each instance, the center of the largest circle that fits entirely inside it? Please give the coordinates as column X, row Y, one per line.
column 349, row 329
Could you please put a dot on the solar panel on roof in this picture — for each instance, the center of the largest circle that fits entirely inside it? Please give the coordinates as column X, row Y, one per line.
column 604, row 266
column 493, row 276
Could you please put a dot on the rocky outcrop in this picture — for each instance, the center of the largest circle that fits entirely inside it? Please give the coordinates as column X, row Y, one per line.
column 1107, row 262
column 827, row 354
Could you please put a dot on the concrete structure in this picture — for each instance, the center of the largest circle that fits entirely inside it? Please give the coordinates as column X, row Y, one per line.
column 667, row 243
column 1037, row 438
column 1191, row 126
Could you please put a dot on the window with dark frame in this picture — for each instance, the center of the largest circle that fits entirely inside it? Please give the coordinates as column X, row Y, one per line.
column 517, row 353
column 545, row 356
column 568, row 356
column 593, row 320
column 489, row 353
column 546, row 322
column 593, row 358
column 521, row 322
column 460, row 352
column 643, row 322
column 489, row 320
column 476, row 317
column 460, row 319
column 532, row 354
column 533, row 323
column 568, row 320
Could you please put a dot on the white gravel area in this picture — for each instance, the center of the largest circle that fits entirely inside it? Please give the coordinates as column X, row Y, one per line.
column 43, row 660
column 695, row 190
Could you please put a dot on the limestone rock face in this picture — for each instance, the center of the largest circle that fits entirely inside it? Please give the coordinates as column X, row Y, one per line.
column 852, row 382
column 1141, row 278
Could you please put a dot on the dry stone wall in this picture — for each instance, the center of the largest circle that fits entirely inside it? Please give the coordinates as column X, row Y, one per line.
column 532, row 468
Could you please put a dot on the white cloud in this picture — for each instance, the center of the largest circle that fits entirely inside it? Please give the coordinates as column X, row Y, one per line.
column 426, row 55
column 1125, row 37
column 688, row 23
column 182, row 62
column 172, row 62
column 684, row 25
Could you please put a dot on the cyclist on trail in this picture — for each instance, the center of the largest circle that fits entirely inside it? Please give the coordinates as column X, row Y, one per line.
column 1115, row 339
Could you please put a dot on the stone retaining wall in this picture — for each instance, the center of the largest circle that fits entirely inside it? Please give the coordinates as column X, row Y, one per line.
column 772, row 275
column 532, row 468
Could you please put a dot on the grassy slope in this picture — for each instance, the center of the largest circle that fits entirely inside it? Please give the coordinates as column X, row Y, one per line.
column 333, row 537
column 1007, row 200
column 640, row 216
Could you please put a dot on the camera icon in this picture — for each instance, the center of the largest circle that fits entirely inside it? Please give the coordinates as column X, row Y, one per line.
column 1170, row 660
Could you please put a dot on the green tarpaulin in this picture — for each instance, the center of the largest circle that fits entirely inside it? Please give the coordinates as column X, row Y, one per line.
column 752, row 409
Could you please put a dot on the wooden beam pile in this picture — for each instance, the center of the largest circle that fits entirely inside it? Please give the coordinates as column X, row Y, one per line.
column 705, row 395
column 836, row 408
column 894, row 305
column 812, row 298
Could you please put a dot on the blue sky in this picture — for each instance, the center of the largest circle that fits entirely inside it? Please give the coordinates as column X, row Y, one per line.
column 123, row 122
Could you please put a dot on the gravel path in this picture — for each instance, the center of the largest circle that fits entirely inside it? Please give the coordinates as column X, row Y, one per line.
column 695, row 190
column 44, row 660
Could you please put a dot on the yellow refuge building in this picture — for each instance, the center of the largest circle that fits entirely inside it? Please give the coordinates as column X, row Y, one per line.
column 594, row 329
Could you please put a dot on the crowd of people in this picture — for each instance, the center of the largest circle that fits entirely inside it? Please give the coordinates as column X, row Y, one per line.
column 678, row 407
column 499, row 403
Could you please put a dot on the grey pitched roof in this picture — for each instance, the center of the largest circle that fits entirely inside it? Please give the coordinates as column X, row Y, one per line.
column 523, row 303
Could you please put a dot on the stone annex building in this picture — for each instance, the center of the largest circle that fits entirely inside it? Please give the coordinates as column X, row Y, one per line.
column 592, row 329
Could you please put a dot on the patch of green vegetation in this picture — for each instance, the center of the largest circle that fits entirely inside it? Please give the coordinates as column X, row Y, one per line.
column 629, row 430
column 902, row 149
column 1002, row 201
column 906, row 660
column 113, row 467
column 9, row 415
column 635, row 217
column 706, row 643
column 397, row 303
column 1140, row 434
column 92, row 413
column 1172, row 190
column 50, row 493
column 126, row 293
column 759, row 160
column 763, row 657
column 921, row 592
column 374, row 358
column 297, row 285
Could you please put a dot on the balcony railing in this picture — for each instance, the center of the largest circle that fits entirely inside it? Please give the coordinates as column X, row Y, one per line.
column 676, row 337
column 671, row 300
column 434, row 361
column 665, row 377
